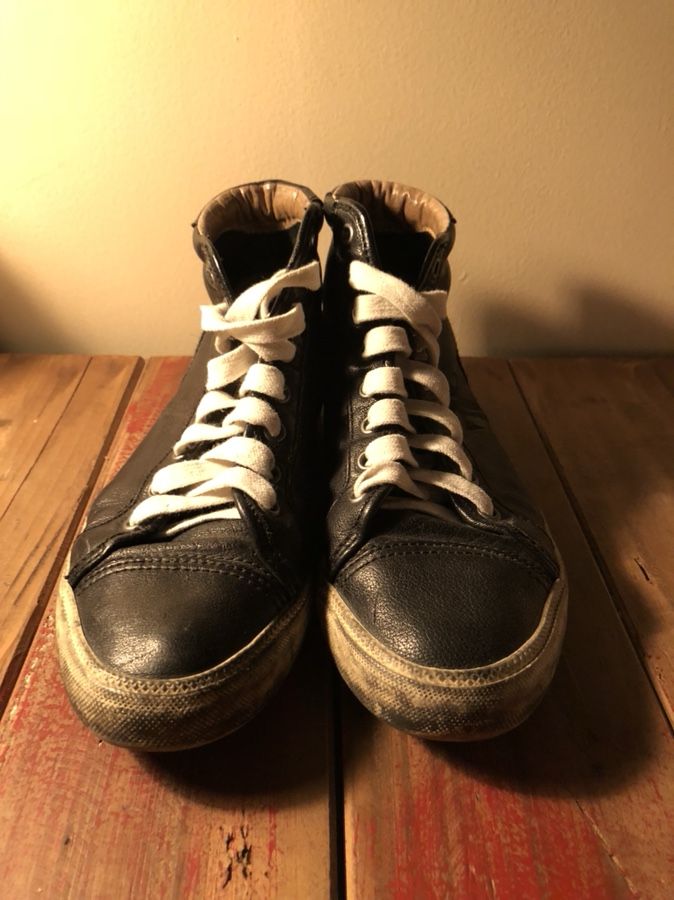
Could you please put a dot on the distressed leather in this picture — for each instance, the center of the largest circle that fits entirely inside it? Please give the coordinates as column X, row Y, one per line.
column 451, row 594
column 167, row 607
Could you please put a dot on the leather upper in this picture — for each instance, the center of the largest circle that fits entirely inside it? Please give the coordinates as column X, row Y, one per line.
column 157, row 606
column 452, row 594
column 155, row 609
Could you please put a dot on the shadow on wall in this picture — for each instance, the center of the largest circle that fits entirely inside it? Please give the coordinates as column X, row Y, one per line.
column 594, row 322
column 25, row 325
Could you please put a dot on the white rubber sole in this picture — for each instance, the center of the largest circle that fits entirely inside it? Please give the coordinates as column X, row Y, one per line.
column 160, row 714
column 447, row 704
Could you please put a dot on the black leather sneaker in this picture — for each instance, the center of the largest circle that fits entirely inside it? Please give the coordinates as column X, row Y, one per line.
column 187, row 598
column 446, row 606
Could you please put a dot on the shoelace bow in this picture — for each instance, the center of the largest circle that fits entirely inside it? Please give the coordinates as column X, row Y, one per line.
column 389, row 459
column 249, row 340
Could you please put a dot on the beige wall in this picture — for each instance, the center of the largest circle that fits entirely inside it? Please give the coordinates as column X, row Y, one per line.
column 546, row 126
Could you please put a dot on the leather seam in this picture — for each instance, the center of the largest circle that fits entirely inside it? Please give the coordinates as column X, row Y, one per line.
column 186, row 557
column 438, row 545
column 212, row 561
column 460, row 550
column 154, row 566
column 351, row 539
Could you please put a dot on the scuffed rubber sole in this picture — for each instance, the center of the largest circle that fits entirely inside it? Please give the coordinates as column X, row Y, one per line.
column 158, row 714
column 447, row 704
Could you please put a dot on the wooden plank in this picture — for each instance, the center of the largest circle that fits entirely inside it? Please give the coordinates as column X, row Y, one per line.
column 246, row 817
column 609, row 426
column 61, row 411
column 158, row 383
column 665, row 369
column 34, row 392
column 574, row 803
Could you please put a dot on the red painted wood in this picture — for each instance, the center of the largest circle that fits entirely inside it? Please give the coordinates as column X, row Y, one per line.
column 245, row 817
column 575, row 803
column 462, row 821
column 159, row 382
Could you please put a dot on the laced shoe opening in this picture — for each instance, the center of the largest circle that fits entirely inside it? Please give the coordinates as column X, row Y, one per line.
column 416, row 446
column 223, row 449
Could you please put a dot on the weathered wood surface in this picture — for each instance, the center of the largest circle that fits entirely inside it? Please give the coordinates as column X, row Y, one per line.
column 609, row 427
column 57, row 414
column 575, row 803
column 246, row 817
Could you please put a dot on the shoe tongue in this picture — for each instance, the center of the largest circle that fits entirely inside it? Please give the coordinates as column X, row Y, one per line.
column 413, row 523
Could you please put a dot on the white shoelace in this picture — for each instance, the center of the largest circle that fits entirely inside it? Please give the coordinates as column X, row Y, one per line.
column 389, row 459
column 249, row 340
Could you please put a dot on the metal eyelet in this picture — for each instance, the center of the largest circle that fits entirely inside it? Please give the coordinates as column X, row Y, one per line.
column 281, row 436
column 347, row 233
column 275, row 475
column 365, row 426
column 361, row 462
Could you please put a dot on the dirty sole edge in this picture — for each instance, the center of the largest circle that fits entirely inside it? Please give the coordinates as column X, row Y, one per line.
column 447, row 704
column 157, row 714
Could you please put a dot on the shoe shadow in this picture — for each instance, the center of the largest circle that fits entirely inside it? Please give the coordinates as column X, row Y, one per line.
column 574, row 745
column 599, row 725
column 283, row 756
column 596, row 321
column 569, row 747
column 26, row 326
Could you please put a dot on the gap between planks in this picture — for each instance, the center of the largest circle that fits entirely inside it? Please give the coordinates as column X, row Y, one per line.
column 631, row 404
column 41, row 515
column 573, row 803
column 247, row 816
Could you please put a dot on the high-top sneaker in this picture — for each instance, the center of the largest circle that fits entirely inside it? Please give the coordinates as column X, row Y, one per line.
column 187, row 599
column 446, row 606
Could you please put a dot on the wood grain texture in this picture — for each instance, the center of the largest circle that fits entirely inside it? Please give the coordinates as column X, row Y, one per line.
column 34, row 392
column 246, row 817
column 664, row 366
column 58, row 413
column 609, row 427
column 575, row 803
column 157, row 385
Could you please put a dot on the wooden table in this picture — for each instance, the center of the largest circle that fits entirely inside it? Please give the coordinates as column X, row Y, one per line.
column 316, row 797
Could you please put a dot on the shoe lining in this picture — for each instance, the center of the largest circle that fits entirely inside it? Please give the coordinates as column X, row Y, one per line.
column 395, row 207
column 265, row 206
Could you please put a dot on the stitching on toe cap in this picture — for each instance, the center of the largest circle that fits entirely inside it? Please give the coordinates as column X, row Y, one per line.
column 179, row 564
column 412, row 548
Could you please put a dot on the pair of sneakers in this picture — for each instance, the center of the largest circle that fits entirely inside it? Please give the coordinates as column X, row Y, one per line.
column 323, row 446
